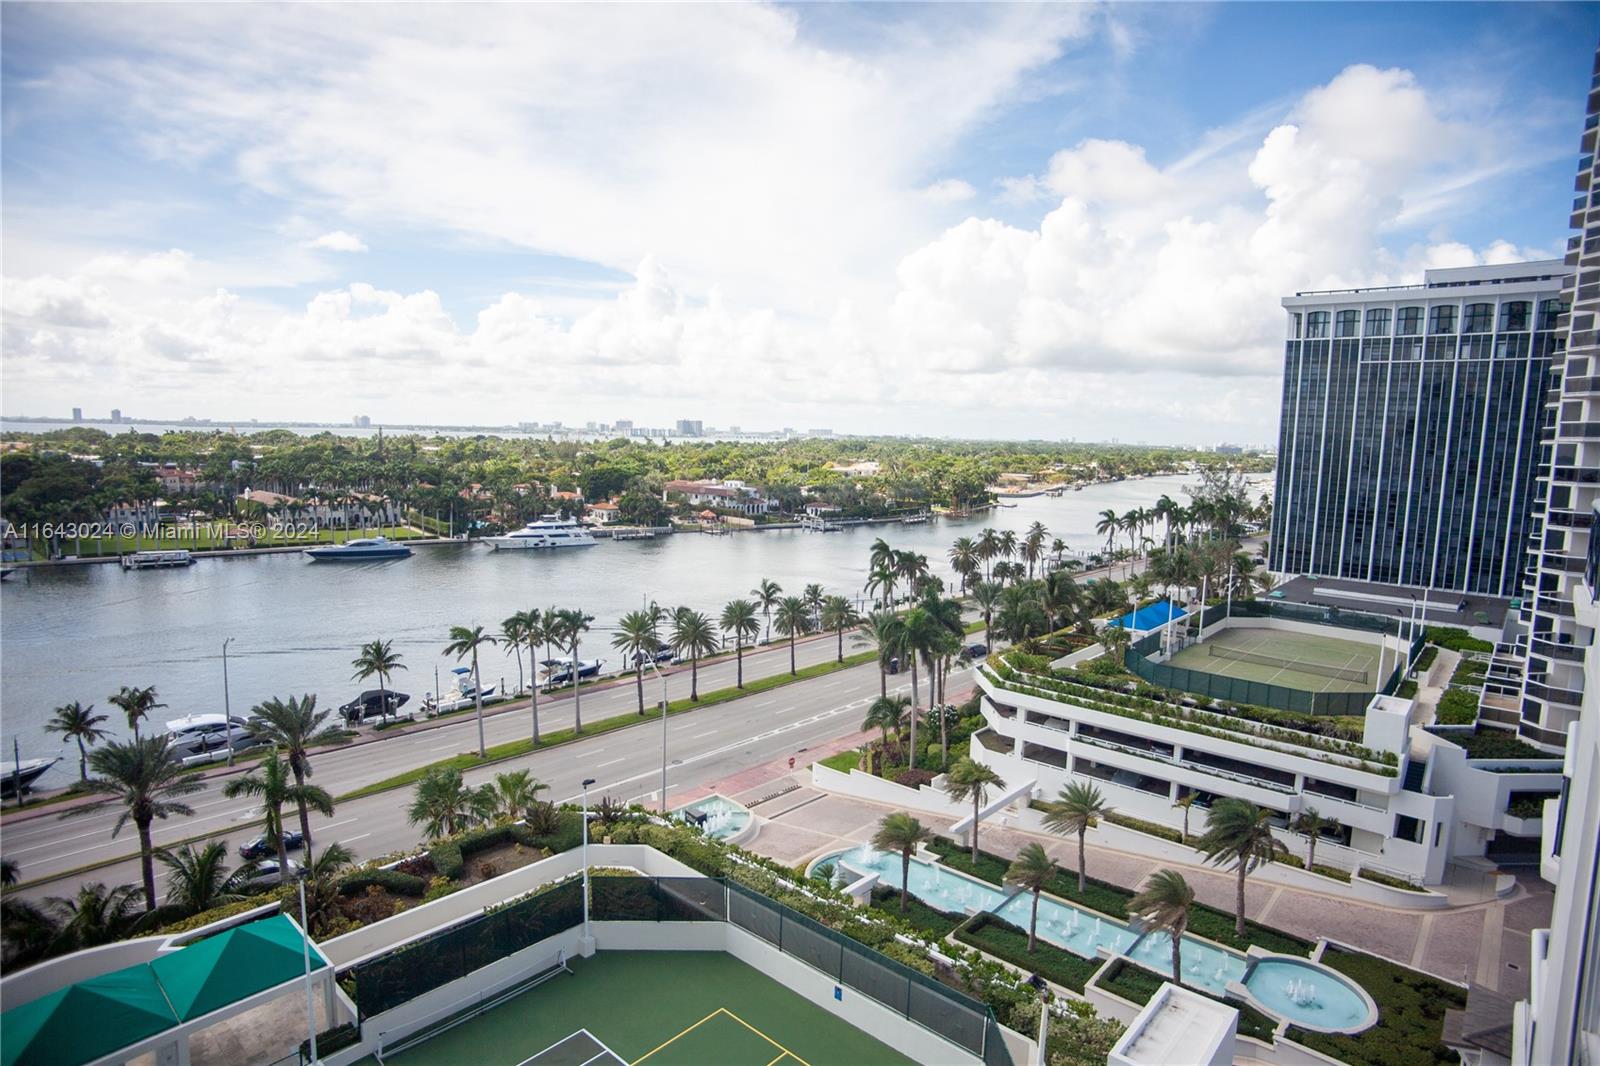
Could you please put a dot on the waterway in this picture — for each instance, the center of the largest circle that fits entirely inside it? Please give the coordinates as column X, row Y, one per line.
column 81, row 632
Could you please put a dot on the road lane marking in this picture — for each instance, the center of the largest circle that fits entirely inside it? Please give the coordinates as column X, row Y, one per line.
column 611, row 762
column 347, row 840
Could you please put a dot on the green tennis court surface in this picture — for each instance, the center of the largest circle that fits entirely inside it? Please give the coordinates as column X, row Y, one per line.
column 655, row 1008
column 1294, row 660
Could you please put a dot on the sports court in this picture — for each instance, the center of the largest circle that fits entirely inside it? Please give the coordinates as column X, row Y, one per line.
column 655, row 1008
column 1293, row 660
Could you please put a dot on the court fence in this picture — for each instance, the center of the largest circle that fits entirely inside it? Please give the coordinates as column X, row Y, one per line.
column 388, row 981
column 1138, row 658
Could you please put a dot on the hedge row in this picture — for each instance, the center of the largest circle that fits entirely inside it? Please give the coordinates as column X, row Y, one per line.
column 1384, row 879
column 1005, row 941
column 1457, row 707
column 1139, row 825
column 917, row 913
column 392, row 881
column 450, row 854
column 1456, row 639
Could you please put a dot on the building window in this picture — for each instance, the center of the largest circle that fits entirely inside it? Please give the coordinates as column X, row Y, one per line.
column 1378, row 322
column 1295, row 326
column 1479, row 319
column 1514, row 316
column 1549, row 311
column 1409, row 322
column 1317, row 324
column 1347, row 322
column 1442, row 320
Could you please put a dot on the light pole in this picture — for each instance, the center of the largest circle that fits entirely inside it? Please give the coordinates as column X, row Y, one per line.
column 663, row 679
column 586, row 783
column 227, row 712
column 305, row 944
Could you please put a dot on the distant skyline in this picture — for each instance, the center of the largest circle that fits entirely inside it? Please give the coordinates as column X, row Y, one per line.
column 997, row 222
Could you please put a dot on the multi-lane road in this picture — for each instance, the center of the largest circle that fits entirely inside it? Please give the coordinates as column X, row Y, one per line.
column 703, row 745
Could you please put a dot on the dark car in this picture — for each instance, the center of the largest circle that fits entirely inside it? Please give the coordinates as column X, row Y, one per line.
column 894, row 665
column 976, row 651
column 261, row 847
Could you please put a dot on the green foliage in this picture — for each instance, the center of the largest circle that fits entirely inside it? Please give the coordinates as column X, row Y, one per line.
column 1456, row 639
column 1154, row 829
column 1457, row 707
column 843, row 762
column 1528, row 804
column 1332, row 871
column 1425, row 659
column 440, row 887
column 917, row 913
column 331, row 1040
column 216, row 914
column 1218, row 925
column 392, row 881
column 1005, row 941
column 1487, row 742
column 1137, row 984
column 1080, row 1037
column 1411, row 1008
column 1385, row 879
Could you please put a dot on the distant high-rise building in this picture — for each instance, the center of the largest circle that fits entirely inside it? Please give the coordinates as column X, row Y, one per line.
column 690, row 427
column 77, row 414
column 622, row 426
column 819, row 432
column 361, row 422
column 1409, row 435
column 116, row 414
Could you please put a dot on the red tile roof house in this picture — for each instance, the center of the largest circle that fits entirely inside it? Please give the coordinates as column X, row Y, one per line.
column 603, row 513
column 727, row 495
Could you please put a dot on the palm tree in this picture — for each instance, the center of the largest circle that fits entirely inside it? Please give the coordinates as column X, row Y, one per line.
column 880, row 580
column 1006, row 544
column 1240, row 832
column 513, row 793
column 199, row 879
column 511, row 636
column 464, row 642
column 694, row 635
column 880, row 569
column 1033, row 546
column 1162, row 905
column 443, row 805
column 814, row 597
column 793, row 619
column 901, row 832
column 1186, row 802
column 573, row 624
column 838, row 614
column 636, row 638
column 322, row 874
column 136, row 703
column 739, row 619
column 377, row 659
column 971, row 780
column 988, row 549
column 1032, row 869
column 964, row 560
column 1115, row 639
column 1077, row 809
column 887, row 713
column 533, row 631
column 96, row 915
column 766, row 595
column 271, row 782
column 986, row 597
column 74, row 721
column 887, row 631
column 294, row 725
column 1312, row 825
column 1108, row 527
column 147, row 779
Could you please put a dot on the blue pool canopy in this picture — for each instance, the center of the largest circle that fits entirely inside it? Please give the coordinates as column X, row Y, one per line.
column 1150, row 617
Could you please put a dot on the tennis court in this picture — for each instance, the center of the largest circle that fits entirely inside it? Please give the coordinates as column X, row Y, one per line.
column 1294, row 660
column 666, row 1008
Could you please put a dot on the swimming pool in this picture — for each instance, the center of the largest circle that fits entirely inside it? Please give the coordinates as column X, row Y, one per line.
column 1150, row 617
column 1306, row 993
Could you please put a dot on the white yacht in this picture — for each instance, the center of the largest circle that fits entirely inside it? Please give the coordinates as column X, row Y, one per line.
column 551, row 531
column 208, row 734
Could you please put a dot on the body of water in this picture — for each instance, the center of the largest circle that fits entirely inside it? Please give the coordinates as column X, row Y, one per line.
column 81, row 632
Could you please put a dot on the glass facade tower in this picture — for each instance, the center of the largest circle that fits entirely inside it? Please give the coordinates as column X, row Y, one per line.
column 1410, row 431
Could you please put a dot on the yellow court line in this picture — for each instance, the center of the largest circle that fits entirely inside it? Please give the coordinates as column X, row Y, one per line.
column 779, row 1059
column 767, row 1038
column 696, row 1025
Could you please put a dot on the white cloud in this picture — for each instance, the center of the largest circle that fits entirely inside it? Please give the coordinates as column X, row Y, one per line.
column 949, row 191
column 339, row 241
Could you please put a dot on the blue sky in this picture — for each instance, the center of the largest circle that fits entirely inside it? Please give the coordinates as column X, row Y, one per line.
column 873, row 217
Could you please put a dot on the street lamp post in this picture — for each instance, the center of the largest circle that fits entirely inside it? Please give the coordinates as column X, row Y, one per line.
column 586, row 783
column 227, row 711
column 305, row 937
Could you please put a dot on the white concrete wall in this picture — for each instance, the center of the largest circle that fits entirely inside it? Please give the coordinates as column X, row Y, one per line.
column 880, row 790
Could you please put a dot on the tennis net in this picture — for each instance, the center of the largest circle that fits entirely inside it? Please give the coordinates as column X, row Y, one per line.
column 1343, row 673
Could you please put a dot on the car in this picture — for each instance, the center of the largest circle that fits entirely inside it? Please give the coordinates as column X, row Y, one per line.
column 266, row 875
column 261, row 847
column 976, row 651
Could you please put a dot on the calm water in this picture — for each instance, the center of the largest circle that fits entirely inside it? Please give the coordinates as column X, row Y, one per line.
column 80, row 632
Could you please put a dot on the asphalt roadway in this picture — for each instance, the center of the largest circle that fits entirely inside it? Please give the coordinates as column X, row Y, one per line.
column 703, row 745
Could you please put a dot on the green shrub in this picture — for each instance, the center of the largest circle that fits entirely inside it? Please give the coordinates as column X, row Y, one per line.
column 1218, row 926
column 215, row 914
column 1425, row 658
column 1457, row 707
column 1456, row 639
column 1139, row 825
column 917, row 913
column 331, row 1040
column 1137, row 984
column 1005, row 941
column 440, row 887
column 393, row 881
column 1411, row 1009
column 1407, row 689
column 1385, row 879
column 1487, row 742
column 1332, row 871
column 1528, row 804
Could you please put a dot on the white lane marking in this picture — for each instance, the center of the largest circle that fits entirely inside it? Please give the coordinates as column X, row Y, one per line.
column 347, row 840
column 611, row 762
column 702, row 736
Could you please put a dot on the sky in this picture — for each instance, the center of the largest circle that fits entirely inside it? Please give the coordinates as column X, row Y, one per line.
column 1058, row 222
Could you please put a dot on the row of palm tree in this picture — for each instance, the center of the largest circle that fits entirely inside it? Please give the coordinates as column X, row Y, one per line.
column 444, row 805
column 73, row 721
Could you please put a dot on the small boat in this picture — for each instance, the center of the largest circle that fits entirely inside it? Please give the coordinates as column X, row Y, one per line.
column 634, row 534
column 913, row 519
column 359, row 550
column 208, row 735
column 21, row 773
column 559, row 671
column 551, row 531
column 464, row 696
column 157, row 560
column 370, row 704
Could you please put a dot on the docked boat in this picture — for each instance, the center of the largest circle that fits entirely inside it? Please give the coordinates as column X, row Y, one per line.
column 157, row 560
column 559, row 671
column 20, row 774
column 634, row 534
column 551, row 531
column 208, row 735
column 464, row 696
column 6, row 572
column 359, row 550
column 370, row 704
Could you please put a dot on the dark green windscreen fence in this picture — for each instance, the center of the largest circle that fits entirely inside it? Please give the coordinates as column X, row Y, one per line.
column 386, row 982
column 1240, row 690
